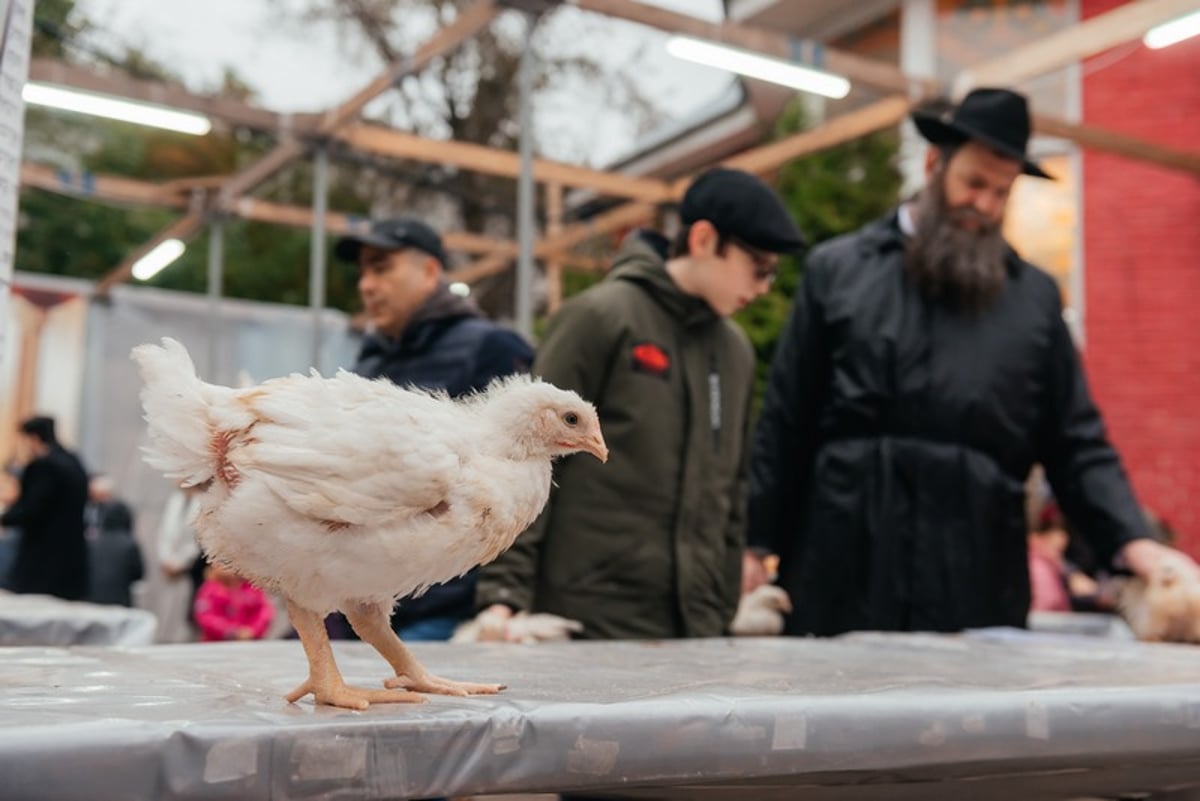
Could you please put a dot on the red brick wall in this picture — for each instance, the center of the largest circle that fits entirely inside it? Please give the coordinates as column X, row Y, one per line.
column 1141, row 230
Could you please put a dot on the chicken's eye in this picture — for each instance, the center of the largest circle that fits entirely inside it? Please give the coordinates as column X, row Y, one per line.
column 571, row 419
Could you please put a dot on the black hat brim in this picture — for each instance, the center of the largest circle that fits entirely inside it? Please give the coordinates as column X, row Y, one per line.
column 939, row 132
column 347, row 248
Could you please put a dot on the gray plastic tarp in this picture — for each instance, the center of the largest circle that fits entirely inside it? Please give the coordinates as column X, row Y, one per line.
column 930, row 716
column 44, row 620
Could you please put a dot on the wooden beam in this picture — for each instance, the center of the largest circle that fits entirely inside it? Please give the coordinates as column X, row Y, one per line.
column 100, row 187
column 623, row 216
column 880, row 114
column 341, row 223
column 466, row 25
column 1118, row 144
column 191, row 183
column 1122, row 24
column 868, row 71
column 444, row 40
column 170, row 194
column 480, row 269
column 493, row 161
column 235, row 112
column 184, row 228
column 278, row 157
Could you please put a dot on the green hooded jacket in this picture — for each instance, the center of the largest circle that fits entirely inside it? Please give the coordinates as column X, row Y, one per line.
column 648, row 545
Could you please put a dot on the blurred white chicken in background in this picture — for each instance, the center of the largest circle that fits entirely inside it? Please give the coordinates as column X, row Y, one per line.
column 760, row 612
column 521, row 628
column 346, row 493
column 1164, row 609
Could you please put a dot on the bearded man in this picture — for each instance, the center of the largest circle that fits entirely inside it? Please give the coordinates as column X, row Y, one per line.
column 924, row 370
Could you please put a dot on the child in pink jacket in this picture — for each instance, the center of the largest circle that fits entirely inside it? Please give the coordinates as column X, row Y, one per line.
column 230, row 608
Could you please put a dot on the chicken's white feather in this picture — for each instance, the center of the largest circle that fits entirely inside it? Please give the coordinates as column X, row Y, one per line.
column 343, row 489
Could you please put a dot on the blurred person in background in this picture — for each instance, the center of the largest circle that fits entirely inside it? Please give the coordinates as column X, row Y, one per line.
column 1056, row 583
column 104, row 504
column 924, row 368
column 48, row 507
column 10, row 488
column 114, row 557
column 424, row 335
column 228, row 607
column 650, row 545
column 181, row 563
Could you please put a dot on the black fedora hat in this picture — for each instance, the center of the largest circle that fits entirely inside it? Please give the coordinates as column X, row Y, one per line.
column 999, row 118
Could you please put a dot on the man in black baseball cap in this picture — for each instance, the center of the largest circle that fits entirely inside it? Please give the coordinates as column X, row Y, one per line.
column 426, row 336
column 651, row 545
column 397, row 233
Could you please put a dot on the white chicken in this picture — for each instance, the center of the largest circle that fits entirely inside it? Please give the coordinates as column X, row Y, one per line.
column 760, row 612
column 1165, row 608
column 347, row 493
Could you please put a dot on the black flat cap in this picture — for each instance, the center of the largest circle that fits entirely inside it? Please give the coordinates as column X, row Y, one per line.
column 396, row 233
column 743, row 206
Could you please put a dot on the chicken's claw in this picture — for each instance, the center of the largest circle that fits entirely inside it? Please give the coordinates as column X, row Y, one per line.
column 342, row 695
column 428, row 683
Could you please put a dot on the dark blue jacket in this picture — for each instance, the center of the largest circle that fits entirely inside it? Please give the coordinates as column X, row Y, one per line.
column 449, row 345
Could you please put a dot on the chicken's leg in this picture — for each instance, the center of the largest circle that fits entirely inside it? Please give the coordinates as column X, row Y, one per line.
column 324, row 679
column 370, row 621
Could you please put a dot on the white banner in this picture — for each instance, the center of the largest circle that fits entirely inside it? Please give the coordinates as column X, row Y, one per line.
column 16, row 19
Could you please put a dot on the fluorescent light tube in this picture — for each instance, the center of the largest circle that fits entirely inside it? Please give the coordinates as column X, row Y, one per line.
column 752, row 65
column 1172, row 32
column 40, row 94
column 159, row 257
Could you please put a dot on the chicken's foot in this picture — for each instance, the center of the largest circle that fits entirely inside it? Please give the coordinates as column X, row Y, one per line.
column 370, row 621
column 324, row 679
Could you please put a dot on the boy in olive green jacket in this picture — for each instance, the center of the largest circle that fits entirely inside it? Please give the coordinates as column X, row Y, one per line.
column 650, row 544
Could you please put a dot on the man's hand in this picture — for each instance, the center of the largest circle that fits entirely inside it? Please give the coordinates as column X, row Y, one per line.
column 1145, row 556
column 754, row 571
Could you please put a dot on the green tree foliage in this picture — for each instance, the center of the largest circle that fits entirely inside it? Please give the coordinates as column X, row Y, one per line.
column 829, row 193
column 55, row 25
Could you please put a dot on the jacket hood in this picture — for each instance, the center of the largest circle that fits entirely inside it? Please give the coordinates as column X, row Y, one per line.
column 641, row 264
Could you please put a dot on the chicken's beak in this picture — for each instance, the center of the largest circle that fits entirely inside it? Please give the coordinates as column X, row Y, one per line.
column 596, row 447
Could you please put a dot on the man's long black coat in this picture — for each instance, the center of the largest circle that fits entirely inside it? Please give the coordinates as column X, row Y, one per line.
column 889, row 462
column 52, row 555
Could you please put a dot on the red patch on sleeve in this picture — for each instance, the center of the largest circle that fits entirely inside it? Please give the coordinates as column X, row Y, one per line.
column 650, row 358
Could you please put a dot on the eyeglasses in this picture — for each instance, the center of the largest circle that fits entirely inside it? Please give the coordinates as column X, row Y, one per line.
column 766, row 265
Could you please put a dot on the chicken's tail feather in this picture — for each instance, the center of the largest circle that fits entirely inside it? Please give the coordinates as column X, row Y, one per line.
column 176, row 404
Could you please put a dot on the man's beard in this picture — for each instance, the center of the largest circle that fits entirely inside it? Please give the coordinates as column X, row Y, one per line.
column 963, row 269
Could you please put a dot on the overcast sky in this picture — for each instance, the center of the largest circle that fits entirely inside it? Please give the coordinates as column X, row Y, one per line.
column 306, row 68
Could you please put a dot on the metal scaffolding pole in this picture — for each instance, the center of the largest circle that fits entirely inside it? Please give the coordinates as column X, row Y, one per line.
column 216, row 274
column 525, row 188
column 316, row 268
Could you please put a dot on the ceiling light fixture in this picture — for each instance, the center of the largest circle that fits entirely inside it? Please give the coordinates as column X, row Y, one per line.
column 159, row 257
column 40, row 94
column 753, row 65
